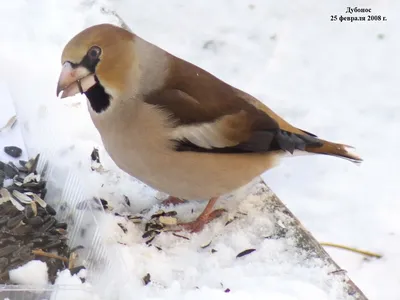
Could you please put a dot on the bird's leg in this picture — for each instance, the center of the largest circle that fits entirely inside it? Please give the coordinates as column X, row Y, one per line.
column 172, row 200
column 206, row 216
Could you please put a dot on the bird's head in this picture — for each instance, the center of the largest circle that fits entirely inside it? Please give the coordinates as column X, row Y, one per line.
column 97, row 62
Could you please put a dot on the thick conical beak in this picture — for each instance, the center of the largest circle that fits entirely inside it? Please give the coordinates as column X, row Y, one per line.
column 74, row 80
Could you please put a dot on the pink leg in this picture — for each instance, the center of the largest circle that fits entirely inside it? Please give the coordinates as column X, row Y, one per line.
column 173, row 200
column 206, row 216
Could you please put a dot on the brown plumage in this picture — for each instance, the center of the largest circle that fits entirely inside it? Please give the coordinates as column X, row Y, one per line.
column 173, row 125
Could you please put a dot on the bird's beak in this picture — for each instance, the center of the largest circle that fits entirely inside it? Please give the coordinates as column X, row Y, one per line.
column 74, row 80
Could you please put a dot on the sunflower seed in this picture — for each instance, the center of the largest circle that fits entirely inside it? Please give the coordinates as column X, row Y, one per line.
column 12, row 222
column 245, row 252
column 123, row 227
column 22, row 197
column 180, row 236
column 17, row 204
column 10, row 170
column 127, row 201
column 146, row 279
column 206, row 245
column 35, row 221
column 76, row 270
column 10, row 123
column 13, row 151
column 30, row 177
column 158, row 213
column 31, row 165
column 168, row 220
column 135, row 219
column 8, row 250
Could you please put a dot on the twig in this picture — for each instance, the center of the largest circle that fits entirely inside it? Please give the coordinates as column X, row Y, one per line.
column 10, row 123
column 363, row 252
column 40, row 252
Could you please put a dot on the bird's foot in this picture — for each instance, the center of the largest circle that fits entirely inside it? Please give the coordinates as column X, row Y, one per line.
column 198, row 224
column 172, row 200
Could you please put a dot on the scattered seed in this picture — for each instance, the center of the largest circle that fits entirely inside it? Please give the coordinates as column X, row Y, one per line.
column 72, row 259
column 10, row 170
column 135, row 219
column 230, row 221
column 157, row 214
column 150, row 240
column 206, row 245
column 35, row 221
column 245, row 252
column 31, row 165
column 17, row 204
column 39, row 200
column 10, row 123
column 51, row 210
column 13, row 151
column 150, row 233
column 29, row 178
column 22, row 197
column 12, row 222
column 8, row 250
column 180, row 236
column 168, row 220
column 61, row 225
column 123, row 227
column 227, row 291
column 213, row 251
column 95, row 156
column 146, row 279
column 171, row 213
column 76, row 270
column 127, row 201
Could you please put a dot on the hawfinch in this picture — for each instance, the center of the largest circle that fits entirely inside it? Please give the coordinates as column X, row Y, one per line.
column 173, row 125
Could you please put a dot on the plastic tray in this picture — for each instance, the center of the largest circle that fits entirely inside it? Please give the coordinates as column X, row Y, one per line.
column 64, row 194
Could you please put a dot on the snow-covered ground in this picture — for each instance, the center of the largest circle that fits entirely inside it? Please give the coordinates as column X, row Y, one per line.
column 338, row 80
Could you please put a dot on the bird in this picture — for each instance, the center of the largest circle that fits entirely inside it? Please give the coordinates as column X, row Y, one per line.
column 175, row 126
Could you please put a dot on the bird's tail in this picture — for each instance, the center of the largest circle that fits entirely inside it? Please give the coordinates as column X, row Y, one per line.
column 334, row 149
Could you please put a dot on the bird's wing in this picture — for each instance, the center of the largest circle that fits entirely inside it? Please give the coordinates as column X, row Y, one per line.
column 211, row 116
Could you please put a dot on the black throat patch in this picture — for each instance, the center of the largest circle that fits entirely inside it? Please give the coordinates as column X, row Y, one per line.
column 98, row 98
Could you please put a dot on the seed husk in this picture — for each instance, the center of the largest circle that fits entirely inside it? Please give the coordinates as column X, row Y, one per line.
column 157, row 214
column 146, row 279
column 150, row 233
column 123, row 227
column 135, row 219
column 245, row 252
column 76, row 270
column 95, row 156
column 17, row 204
column 13, row 151
column 8, row 250
column 180, row 236
column 168, row 220
column 10, row 170
column 31, row 165
column 21, row 197
column 206, row 245
column 12, row 222
column 35, row 221
column 127, row 201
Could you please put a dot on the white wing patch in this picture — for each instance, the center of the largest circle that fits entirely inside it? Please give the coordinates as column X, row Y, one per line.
column 205, row 135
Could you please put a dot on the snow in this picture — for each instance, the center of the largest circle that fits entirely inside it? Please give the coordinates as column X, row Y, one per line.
column 33, row 272
column 337, row 80
column 74, row 284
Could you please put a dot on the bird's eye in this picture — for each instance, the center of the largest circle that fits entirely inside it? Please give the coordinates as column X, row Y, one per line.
column 94, row 52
